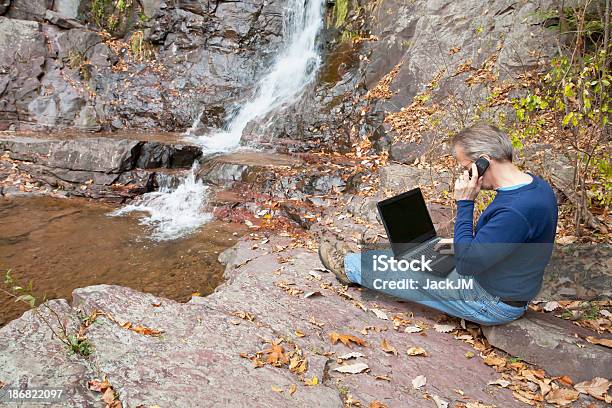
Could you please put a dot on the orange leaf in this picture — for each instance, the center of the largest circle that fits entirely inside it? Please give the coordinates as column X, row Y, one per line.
column 346, row 339
column 276, row 355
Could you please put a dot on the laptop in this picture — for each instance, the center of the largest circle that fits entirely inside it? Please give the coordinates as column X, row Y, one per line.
column 411, row 231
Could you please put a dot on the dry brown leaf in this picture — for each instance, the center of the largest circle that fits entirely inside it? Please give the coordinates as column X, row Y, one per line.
column 276, row 355
column 597, row 387
column 494, row 361
column 601, row 342
column 417, row 351
column 387, row 347
column 377, row 404
column 108, row 396
column 346, row 339
column 292, row 389
column 562, row 396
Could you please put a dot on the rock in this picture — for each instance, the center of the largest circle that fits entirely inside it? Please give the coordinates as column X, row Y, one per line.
column 23, row 51
column 29, row 9
column 68, row 9
column 203, row 340
column 552, row 343
column 61, row 20
column 154, row 155
column 247, row 167
column 112, row 169
column 398, row 178
column 4, row 5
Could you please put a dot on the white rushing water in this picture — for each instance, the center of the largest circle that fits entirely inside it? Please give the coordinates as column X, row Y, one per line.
column 172, row 212
column 294, row 68
column 176, row 212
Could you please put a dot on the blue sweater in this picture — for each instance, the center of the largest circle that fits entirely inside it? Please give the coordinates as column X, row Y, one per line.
column 512, row 243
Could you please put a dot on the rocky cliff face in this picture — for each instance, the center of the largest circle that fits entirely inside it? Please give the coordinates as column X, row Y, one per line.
column 98, row 64
column 438, row 61
column 95, row 64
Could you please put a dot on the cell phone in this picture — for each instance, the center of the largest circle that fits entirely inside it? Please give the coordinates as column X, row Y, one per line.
column 482, row 165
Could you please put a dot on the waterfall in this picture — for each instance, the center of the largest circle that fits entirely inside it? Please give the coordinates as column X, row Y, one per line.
column 293, row 68
column 173, row 213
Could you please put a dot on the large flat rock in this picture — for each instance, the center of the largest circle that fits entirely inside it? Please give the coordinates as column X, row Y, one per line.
column 97, row 167
column 554, row 344
column 197, row 362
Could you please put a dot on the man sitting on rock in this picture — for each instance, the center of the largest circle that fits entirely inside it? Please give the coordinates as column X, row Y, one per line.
column 500, row 263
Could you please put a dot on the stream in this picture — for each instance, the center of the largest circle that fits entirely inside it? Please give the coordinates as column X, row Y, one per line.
column 63, row 244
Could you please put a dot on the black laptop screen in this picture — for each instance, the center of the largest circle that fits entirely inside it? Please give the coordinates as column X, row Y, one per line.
column 406, row 219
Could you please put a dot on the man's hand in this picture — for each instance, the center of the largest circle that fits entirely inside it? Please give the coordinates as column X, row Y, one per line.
column 466, row 187
column 445, row 246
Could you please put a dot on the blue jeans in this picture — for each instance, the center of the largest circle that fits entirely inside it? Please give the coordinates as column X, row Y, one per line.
column 468, row 301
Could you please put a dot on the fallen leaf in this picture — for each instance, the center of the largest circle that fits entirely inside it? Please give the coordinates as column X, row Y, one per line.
column 550, row 306
column 312, row 381
column 417, row 351
column 299, row 333
column 146, row 331
column 276, row 355
column 377, row 404
column 565, row 380
column 412, row 329
column 494, row 361
column 601, row 342
column 108, row 396
column 346, row 339
column 292, row 389
column 562, row 396
column 444, row 328
column 469, row 354
column 440, row 403
column 596, row 387
column 276, row 389
column 348, row 356
column 501, row 382
column 419, row 381
column 352, row 368
column 380, row 314
column 311, row 294
column 387, row 347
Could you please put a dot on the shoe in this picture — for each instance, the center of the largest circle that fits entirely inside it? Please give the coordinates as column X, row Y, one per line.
column 331, row 253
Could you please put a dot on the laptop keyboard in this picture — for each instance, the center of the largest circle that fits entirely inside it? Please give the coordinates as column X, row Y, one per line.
column 427, row 250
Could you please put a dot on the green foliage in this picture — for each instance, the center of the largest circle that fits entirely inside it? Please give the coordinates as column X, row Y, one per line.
column 571, row 105
column 340, row 11
column 76, row 343
column 21, row 294
column 141, row 49
column 80, row 346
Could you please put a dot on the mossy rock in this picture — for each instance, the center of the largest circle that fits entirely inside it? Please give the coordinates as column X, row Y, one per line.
column 118, row 17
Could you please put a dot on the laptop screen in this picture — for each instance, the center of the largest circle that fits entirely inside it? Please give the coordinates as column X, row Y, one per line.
column 406, row 220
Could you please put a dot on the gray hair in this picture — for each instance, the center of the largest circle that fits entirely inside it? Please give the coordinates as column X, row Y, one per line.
column 483, row 139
